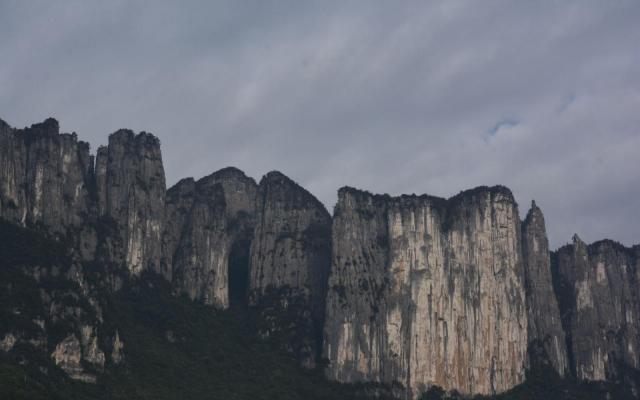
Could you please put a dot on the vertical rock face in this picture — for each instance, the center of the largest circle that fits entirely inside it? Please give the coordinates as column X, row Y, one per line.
column 131, row 192
column 599, row 299
column 290, row 257
column 427, row 291
column 204, row 220
column 546, row 336
column 44, row 177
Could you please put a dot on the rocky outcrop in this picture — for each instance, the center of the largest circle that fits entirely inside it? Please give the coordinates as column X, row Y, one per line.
column 546, row 336
column 91, row 353
column 290, row 258
column 70, row 353
column 117, row 352
column 45, row 177
column 131, row 195
column 207, row 218
column 426, row 291
column 600, row 303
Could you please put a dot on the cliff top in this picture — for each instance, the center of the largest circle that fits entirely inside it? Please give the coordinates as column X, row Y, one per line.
column 600, row 246
column 127, row 135
column 274, row 178
column 465, row 194
column 226, row 173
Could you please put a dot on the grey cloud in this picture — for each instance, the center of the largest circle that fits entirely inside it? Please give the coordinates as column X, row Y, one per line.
column 424, row 97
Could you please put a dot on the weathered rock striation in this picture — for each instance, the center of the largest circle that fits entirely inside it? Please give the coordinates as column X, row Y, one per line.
column 427, row 291
column 598, row 293
column 131, row 193
column 204, row 220
column 45, row 177
column 290, row 258
column 546, row 337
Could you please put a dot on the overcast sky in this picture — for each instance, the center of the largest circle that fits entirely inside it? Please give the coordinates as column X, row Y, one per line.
column 392, row 97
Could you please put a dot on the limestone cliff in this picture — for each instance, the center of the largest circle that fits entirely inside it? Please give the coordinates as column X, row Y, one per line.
column 205, row 219
column 546, row 336
column 45, row 177
column 290, row 257
column 412, row 289
column 600, row 303
column 427, row 291
column 131, row 194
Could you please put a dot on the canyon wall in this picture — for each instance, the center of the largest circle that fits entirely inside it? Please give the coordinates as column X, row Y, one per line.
column 600, row 301
column 290, row 256
column 204, row 220
column 417, row 290
column 427, row 291
column 45, row 177
column 546, row 336
column 131, row 194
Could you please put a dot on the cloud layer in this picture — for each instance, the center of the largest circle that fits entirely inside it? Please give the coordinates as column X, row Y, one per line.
column 422, row 97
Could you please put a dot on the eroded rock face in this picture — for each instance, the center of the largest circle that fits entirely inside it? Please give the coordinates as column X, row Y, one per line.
column 69, row 353
column 91, row 353
column 546, row 336
column 205, row 219
column 290, row 258
column 599, row 299
column 131, row 193
column 425, row 291
column 45, row 177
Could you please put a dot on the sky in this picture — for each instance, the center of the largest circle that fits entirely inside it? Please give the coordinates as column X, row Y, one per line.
column 391, row 97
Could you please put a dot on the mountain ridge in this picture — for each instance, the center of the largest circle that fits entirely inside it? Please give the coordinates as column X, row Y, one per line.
column 388, row 290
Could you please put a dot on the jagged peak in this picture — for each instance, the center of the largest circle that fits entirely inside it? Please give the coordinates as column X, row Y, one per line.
column 226, row 173
column 534, row 213
column 127, row 135
column 49, row 127
column 275, row 178
column 480, row 190
column 184, row 182
column 577, row 241
column 4, row 124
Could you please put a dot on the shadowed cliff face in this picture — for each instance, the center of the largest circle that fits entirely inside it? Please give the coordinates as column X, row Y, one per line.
column 44, row 177
column 290, row 256
column 426, row 291
column 546, row 336
column 600, row 303
column 131, row 192
column 204, row 221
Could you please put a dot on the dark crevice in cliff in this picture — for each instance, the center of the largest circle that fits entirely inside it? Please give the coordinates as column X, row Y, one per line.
column 239, row 273
column 564, row 296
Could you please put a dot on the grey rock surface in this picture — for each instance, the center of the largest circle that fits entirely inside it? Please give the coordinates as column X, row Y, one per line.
column 427, row 291
column 546, row 336
column 204, row 220
column 290, row 258
column 412, row 289
column 600, row 303
column 45, row 177
column 131, row 193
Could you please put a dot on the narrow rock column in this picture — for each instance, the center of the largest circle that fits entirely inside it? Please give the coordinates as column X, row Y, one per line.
column 131, row 194
column 546, row 337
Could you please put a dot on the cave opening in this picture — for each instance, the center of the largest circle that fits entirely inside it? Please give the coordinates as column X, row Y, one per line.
column 239, row 273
